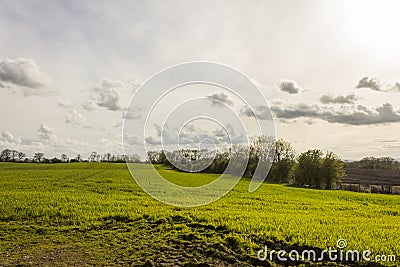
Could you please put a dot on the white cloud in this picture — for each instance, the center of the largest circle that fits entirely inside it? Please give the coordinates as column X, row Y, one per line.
column 89, row 105
column 151, row 140
column 45, row 132
column 75, row 118
column 8, row 137
column 107, row 94
column 65, row 104
column 110, row 144
column 132, row 113
column 25, row 74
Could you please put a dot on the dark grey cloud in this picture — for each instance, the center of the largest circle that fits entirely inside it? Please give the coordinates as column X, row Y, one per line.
column 289, row 87
column 371, row 83
column 329, row 99
column 296, row 111
column 25, row 73
column 219, row 99
column 363, row 116
column 357, row 115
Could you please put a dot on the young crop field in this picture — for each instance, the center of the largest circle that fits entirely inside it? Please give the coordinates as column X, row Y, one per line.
column 95, row 214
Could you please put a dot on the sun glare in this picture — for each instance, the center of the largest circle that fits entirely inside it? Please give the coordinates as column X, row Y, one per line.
column 374, row 24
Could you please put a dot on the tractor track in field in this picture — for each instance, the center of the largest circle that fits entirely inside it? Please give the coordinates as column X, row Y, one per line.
column 119, row 240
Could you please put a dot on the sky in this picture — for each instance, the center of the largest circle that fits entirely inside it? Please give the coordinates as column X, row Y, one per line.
column 330, row 70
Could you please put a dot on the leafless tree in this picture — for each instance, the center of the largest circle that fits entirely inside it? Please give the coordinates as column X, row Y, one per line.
column 38, row 156
column 93, row 156
column 5, row 155
column 21, row 155
column 64, row 158
column 14, row 154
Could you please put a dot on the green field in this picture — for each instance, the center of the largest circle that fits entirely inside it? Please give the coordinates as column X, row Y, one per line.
column 95, row 214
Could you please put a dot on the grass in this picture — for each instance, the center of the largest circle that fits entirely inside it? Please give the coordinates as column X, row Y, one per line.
column 95, row 214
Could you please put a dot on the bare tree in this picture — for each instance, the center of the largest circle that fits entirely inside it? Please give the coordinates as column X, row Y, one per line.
column 284, row 151
column 38, row 156
column 21, row 155
column 262, row 148
column 135, row 158
column 14, row 154
column 5, row 155
column 64, row 158
column 238, row 152
column 93, row 157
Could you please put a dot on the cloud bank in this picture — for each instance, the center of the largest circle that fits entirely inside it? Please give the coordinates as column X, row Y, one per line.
column 354, row 115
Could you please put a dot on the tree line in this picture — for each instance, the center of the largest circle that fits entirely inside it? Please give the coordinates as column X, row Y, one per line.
column 385, row 163
column 312, row 168
column 8, row 155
